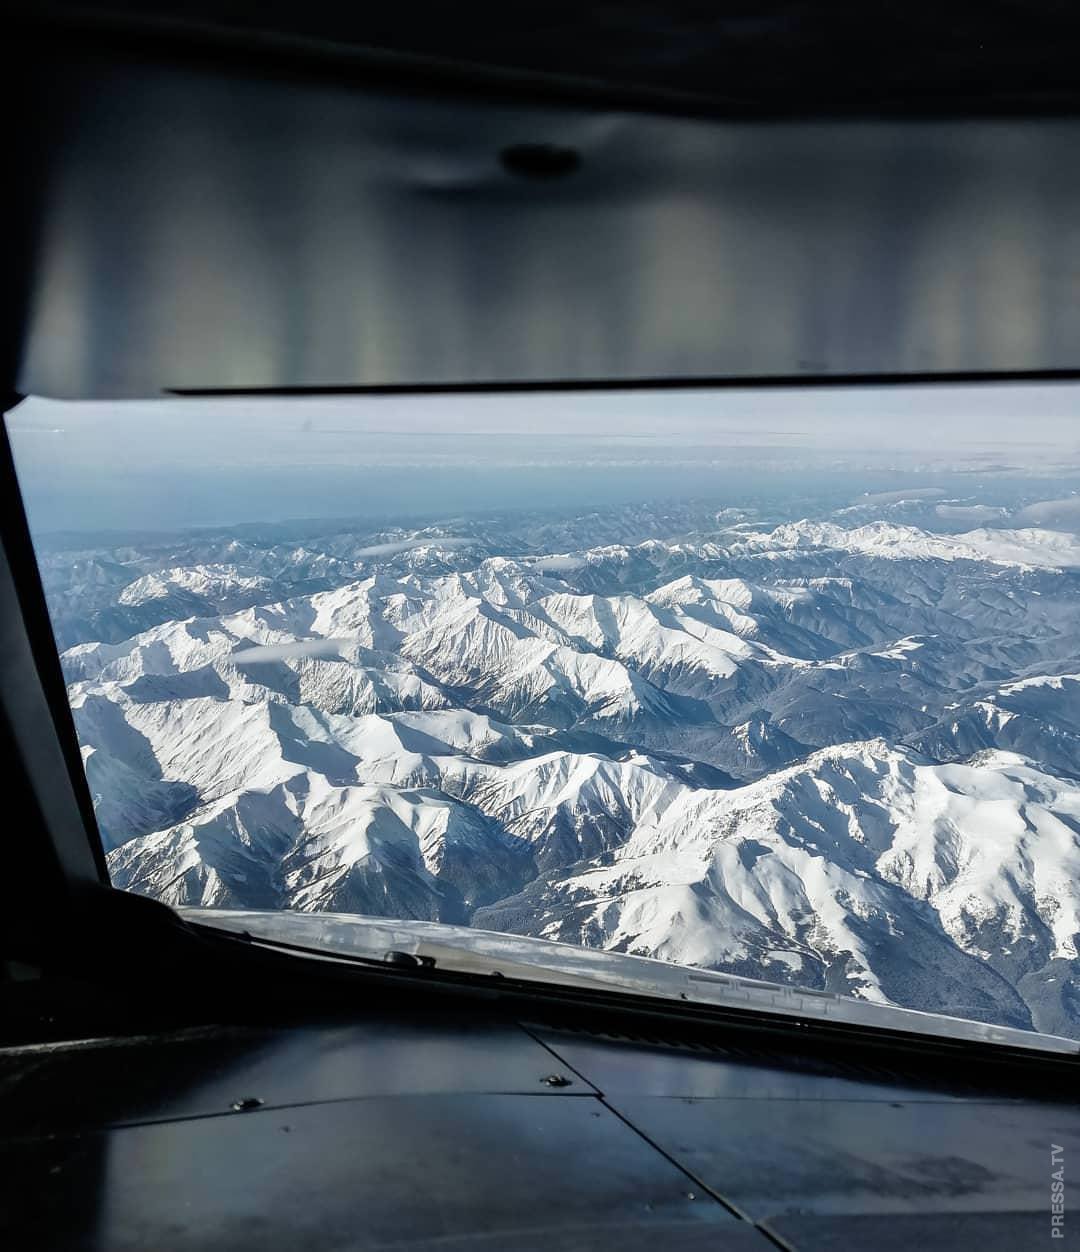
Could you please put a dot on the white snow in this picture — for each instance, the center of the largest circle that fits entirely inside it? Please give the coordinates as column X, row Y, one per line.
column 500, row 741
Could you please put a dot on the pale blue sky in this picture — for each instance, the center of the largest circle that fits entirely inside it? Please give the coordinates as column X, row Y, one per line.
column 168, row 463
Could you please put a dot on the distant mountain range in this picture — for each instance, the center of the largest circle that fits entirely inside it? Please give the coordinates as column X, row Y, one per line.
column 844, row 757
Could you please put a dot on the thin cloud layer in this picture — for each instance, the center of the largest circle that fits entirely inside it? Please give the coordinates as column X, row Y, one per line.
column 1064, row 513
column 289, row 651
column 894, row 497
column 409, row 545
column 970, row 512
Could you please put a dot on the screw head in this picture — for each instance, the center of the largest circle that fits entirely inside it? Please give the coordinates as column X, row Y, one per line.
column 246, row 1104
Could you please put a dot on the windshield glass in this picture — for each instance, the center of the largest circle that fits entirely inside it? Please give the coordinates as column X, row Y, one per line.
column 778, row 684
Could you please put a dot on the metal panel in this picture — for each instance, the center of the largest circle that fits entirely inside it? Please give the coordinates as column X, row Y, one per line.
column 603, row 1237
column 197, row 1073
column 622, row 1068
column 792, row 1157
column 208, row 230
column 563, row 1173
column 932, row 1232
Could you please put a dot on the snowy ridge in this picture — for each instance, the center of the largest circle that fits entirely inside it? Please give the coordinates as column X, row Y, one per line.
column 809, row 873
column 1029, row 547
column 841, row 757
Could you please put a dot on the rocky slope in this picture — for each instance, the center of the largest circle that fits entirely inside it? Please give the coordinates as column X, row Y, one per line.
column 844, row 756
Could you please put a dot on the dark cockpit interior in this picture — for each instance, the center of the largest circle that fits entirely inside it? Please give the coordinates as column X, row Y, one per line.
column 225, row 200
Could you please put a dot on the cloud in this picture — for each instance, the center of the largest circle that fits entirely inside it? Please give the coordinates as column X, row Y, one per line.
column 894, row 497
column 558, row 564
column 969, row 512
column 289, row 651
column 1064, row 513
column 407, row 545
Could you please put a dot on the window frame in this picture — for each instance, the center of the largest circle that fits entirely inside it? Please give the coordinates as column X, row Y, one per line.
column 37, row 718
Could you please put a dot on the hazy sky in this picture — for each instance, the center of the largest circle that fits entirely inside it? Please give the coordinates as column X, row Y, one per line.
column 176, row 462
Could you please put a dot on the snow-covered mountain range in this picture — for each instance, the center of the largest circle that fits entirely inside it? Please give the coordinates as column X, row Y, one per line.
column 839, row 753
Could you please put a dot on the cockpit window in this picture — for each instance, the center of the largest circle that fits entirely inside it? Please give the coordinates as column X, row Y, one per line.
column 782, row 684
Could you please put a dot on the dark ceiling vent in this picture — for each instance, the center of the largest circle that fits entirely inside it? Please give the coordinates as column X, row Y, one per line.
column 540, row 160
